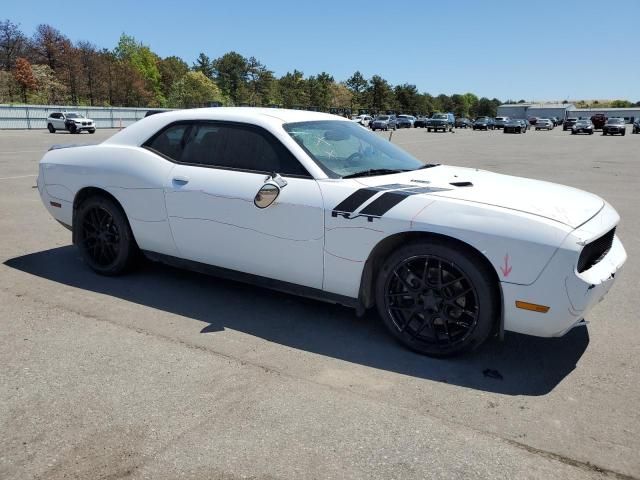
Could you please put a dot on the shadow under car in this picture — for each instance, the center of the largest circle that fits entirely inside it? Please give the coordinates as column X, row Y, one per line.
column 519, row 365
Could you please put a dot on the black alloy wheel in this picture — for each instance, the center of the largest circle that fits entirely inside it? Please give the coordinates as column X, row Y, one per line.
column 104, row 236
column 436, row 300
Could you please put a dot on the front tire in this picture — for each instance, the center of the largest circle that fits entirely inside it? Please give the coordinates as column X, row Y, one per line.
column 436, row 299
column 104, row 236
column 51, row 128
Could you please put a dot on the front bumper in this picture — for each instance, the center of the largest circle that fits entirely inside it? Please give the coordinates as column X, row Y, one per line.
column 569, row 294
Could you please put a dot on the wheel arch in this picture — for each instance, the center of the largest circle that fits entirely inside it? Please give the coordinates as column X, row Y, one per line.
column 384, row 248
column 87, row 192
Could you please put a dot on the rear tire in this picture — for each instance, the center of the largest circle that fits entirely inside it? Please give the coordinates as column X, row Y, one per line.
column 51, row 129
column 104, row 236
column 436, row 299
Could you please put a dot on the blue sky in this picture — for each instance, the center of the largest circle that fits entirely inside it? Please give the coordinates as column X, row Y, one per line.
column 536, row 50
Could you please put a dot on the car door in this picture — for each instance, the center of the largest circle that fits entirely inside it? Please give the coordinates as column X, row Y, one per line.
column 220, row 168
column 55, row 121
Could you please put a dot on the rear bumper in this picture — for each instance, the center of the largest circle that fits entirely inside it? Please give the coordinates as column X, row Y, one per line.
column 56, row 199
column 568, row 294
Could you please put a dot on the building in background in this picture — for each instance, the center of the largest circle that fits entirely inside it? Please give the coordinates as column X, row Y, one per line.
column 563, row 110
column 540, row 110
column 629, row 114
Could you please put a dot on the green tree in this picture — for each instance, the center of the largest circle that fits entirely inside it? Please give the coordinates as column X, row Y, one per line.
column 171, row 70
column 358, row 85
column 620, row 104
column 194, row 89
column 486, row 108
column 341, row 95
column 144, row 61
column 203, row 64
column 319, row 90
column 380, row 93
column 406, row 98
column 8, row 87
column 231, row 76
column 292, row 89
column 260, row 83
column 472, row 104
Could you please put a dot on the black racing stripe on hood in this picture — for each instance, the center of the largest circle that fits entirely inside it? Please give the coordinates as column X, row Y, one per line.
column 353, row 201
column 385, row 202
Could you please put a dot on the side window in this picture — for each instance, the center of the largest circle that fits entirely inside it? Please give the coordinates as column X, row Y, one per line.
column 235, row 146
column 255, row 150
column 170, row 142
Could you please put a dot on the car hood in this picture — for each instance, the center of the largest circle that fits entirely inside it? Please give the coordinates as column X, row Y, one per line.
column 563, row 204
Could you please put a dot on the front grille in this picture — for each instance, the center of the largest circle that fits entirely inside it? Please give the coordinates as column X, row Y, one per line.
column 595, row 251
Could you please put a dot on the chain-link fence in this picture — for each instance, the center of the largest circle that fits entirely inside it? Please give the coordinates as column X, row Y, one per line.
column 35, row 116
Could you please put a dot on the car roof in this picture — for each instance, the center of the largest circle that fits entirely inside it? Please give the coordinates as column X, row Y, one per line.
column 268, row 118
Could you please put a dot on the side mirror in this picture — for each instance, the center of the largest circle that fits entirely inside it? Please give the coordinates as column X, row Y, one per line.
column 266, row 195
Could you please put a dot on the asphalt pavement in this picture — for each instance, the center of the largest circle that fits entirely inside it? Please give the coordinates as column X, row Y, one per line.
column 169, row 374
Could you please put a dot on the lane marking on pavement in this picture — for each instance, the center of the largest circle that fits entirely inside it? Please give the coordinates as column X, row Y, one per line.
column 19, row 176
column 20, row 151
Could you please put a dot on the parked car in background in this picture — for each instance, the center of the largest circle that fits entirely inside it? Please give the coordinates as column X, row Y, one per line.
column 544, row 124
column 599, row 120
column 72, row 122
column 405, row 121
column 500, row 122
column 483, row 123
column 614, row 126
column 463, row 122
column 636, row 126
column 441, row 121
column 515, row 125
column 420, row 122
column 309, row 203
column 363, row 120
column 582, row 126
column 533, row 120
column 569, row 122
column 384, row 122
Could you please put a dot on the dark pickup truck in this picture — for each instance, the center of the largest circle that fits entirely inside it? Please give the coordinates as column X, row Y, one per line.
column 441, row 121
column 599, row 120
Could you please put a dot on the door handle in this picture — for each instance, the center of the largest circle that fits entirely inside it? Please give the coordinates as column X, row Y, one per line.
column 180, row 180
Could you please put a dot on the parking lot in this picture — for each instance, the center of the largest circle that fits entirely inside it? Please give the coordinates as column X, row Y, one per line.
column 165, row 373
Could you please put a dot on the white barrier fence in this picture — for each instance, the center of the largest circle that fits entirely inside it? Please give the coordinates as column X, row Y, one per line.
column 35, row 116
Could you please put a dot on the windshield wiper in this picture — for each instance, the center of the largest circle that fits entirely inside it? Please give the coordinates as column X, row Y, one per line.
column 428, row 165
column 374, row 171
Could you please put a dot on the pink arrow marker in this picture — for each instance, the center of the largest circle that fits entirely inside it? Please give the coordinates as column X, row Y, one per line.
column 506, row 269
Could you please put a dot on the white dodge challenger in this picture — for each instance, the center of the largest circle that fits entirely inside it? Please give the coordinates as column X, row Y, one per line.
column 316, row 205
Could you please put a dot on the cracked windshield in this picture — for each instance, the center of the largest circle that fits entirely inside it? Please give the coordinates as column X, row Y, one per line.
column 346, row 149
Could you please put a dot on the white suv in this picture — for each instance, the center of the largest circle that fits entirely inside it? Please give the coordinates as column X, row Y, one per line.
column 70, row 121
